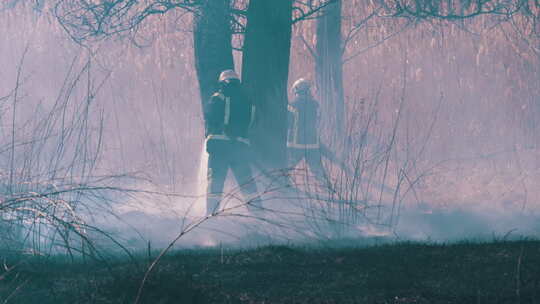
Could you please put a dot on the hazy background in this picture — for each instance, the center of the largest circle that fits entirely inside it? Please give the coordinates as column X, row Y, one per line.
column 470, row 118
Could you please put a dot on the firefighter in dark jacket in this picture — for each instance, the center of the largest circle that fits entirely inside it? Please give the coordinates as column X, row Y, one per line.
column 303, row 138
column 229, row 117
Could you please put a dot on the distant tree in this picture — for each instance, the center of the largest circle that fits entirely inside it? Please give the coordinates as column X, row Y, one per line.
column 212, row 35
column 266, row 50
column 265, row 72
column 331, row 43
column 265, row 30
column 329, row 63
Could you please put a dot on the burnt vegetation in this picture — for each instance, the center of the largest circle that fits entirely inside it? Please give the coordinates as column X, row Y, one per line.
column 497, row 272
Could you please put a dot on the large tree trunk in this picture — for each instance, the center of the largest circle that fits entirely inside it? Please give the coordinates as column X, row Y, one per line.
column 265, row 70
column 212, row 44
column 329, row 67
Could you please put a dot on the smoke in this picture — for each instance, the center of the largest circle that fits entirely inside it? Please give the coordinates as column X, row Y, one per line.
column 293, row 218
column 460, row 223
column 476, row 175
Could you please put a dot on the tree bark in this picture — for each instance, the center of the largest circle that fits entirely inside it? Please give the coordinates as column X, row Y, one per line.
column 265, row 70
column 212, row 44
column 329, row 67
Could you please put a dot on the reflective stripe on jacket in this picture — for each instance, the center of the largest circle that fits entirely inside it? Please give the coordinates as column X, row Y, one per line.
column 225, row 137
column 229, row 117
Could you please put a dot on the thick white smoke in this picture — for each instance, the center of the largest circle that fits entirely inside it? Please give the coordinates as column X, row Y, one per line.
column 153, row 124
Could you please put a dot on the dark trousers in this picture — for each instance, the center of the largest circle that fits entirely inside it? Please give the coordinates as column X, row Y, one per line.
column 313, row 158
column 235, row 156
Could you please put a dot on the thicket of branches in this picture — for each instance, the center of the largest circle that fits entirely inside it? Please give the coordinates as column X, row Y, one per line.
column 388, row 156
column 52, row 182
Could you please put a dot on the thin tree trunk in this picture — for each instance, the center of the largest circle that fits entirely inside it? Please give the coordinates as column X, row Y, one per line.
column 265, row 70
column 329, row 67
column 212, row 44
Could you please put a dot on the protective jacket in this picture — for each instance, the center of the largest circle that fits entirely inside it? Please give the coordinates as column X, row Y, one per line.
column 303, row 120
column 229, row 116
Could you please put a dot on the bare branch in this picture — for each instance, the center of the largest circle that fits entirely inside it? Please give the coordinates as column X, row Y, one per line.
column 451, row 10
column 84, row 20
column 357, row 26
column 367, row 48
column 308, row 46
column 305, row 11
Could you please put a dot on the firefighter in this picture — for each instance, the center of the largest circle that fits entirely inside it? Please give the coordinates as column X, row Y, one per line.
column 229, row 117
column 303, row 138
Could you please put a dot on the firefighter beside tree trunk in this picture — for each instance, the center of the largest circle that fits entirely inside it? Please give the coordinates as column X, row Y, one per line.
column 303, row 138
column 230, row 116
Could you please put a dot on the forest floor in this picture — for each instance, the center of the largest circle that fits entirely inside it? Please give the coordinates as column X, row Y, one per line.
column 463, row 272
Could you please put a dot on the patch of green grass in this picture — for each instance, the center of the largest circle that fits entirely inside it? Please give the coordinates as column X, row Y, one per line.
column 467, row 272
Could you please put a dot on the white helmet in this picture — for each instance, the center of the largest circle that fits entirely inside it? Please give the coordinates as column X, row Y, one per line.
column 228, row 75
column 301, row 86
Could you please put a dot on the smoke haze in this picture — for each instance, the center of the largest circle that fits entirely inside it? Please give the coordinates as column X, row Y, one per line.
column 467, row 141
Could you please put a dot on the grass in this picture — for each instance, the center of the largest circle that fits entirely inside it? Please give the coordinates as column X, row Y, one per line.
column 466, row 272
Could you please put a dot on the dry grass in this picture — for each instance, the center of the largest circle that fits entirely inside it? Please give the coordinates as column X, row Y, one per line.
column 495, row 272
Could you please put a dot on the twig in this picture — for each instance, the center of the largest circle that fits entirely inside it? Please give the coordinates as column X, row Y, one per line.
column 518, row 275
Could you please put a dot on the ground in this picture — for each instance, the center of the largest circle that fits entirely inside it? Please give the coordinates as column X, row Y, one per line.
column 465, row 272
